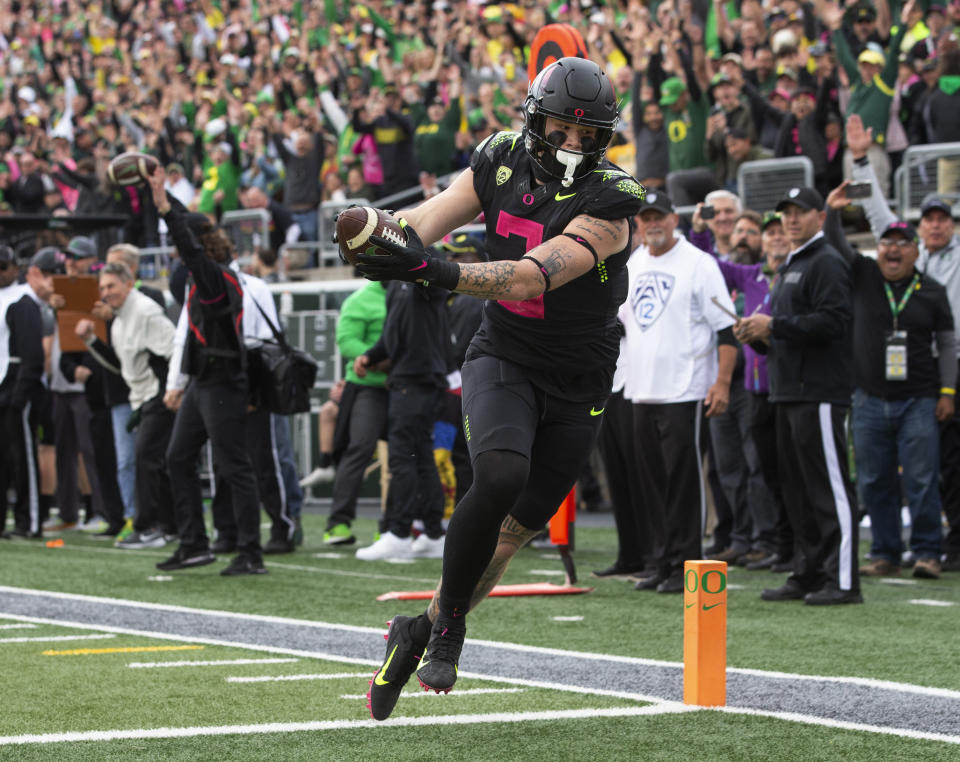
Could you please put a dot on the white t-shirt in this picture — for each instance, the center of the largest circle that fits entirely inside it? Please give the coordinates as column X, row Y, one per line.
column 669, row 353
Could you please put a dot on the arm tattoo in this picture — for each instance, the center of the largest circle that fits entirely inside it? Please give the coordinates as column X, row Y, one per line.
column 487, row 279
column 603, row 232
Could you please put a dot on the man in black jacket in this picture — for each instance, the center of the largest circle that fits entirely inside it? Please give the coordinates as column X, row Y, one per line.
column 416, row 340
column 809, row 333
column 214, row 404
column 21, row 371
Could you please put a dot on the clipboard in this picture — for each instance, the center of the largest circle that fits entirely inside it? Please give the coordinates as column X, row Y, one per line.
column 80, row 293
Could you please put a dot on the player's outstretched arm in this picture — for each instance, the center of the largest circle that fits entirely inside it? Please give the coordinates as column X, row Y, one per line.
column 456, row 206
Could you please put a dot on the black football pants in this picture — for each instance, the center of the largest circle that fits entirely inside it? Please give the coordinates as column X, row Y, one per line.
column 218, row 412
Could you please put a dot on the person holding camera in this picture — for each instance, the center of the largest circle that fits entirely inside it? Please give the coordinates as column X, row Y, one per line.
column 903, row 389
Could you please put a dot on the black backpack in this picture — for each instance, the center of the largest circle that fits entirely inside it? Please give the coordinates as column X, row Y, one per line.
column 281, row 376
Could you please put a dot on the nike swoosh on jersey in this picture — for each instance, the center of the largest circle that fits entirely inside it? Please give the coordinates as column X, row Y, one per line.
column 559, row 197
column 386, row 665
column 594, row 411
column 711, row 606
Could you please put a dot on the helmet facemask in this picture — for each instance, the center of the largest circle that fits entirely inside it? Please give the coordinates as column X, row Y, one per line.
column 575, row 91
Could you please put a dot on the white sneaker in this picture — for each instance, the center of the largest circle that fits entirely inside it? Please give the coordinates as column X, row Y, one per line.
column 95, row 525
column 389, row 546
column 318, row 476
column 424, row 547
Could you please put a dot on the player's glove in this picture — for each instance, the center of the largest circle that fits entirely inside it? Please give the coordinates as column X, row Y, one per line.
column 411, row 262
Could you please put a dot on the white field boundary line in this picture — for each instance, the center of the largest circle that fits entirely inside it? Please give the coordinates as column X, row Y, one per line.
column 807, row 719
column 294, row 678
column 297, row 727
column 659, row 706
column 199, row 663
column 632, row 660
column 18, row 626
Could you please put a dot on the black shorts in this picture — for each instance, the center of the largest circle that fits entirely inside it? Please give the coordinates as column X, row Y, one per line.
column 42, row 415
column 503, row 410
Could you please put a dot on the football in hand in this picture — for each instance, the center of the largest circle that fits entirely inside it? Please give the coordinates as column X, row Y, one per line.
column 355, row 226
column 131, row 168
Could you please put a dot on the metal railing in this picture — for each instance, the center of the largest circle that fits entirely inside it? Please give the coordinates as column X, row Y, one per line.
column 155, row 262
column 926, row 170
column 762, row 183
column 249, row 229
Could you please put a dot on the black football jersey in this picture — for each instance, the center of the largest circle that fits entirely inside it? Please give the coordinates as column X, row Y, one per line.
column 565, row 336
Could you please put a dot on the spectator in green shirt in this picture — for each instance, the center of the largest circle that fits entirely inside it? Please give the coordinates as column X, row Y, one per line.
column 872, row 78
column 435, row 140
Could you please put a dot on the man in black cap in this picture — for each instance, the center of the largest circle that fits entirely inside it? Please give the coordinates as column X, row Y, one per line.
column 899, row 314
column 808, row 336
column 214, row 404
column 676, row 298
column 21, row 387
column 939, row 257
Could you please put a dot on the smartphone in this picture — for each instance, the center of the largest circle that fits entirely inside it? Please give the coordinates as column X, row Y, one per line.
column 860, row 190
column 708, row 212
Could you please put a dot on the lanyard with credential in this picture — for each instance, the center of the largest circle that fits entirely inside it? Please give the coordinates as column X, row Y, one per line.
column 897, row 309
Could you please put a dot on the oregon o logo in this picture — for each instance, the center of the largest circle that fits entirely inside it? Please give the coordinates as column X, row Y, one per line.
column 554, row 41
column 721, row 585
column 691, row 575
column 677, row 131
column 578, row 112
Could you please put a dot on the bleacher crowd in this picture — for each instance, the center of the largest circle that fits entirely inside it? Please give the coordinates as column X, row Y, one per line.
column 283, row 105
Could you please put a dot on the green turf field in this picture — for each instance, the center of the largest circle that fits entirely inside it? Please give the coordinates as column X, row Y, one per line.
column 167, row 674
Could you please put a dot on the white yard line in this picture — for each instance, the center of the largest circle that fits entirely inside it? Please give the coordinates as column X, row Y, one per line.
column 293, row 678
column 295, row 727
column 52, row 638
column 18, row 626
column 930, row 602
column 198, row 663
column 455, row 694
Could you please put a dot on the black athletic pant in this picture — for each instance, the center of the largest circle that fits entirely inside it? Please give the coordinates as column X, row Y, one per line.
column 155, row 502
column 635, row 530
column 262, row 446
column 820, row 501
column 217, row 411
column 528, row 448
column 415, row 489
column 18, row 468
column 763, row 429
column 71, row 423
column 105, row 454
column 366, row 424
column 950, row 483
column 668, row 455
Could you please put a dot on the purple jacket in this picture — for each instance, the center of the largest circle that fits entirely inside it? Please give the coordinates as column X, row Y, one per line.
column 753, row 283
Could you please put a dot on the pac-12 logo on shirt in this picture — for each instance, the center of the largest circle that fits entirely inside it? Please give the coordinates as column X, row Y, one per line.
column 650, row 296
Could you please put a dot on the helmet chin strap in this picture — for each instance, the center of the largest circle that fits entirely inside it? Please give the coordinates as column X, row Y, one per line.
column 571, row 161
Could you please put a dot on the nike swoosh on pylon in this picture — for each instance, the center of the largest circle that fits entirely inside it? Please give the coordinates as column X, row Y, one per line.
column 378, row 679
column 712, row 606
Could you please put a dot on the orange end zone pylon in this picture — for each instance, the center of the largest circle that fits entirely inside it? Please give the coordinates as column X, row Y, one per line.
column 561, row 533
column 705, row 633
column 500, row 591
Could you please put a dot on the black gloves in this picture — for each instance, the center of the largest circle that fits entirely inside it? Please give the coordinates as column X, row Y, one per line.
column 411, row 262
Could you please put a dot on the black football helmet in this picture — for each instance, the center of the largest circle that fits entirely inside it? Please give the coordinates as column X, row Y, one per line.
column 574, row 90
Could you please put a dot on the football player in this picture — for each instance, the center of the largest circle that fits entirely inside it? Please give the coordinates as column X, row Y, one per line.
column 539, row 369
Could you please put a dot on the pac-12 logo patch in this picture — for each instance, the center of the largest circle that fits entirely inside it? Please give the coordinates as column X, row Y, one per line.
column 503, row 174
column 650, row 296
